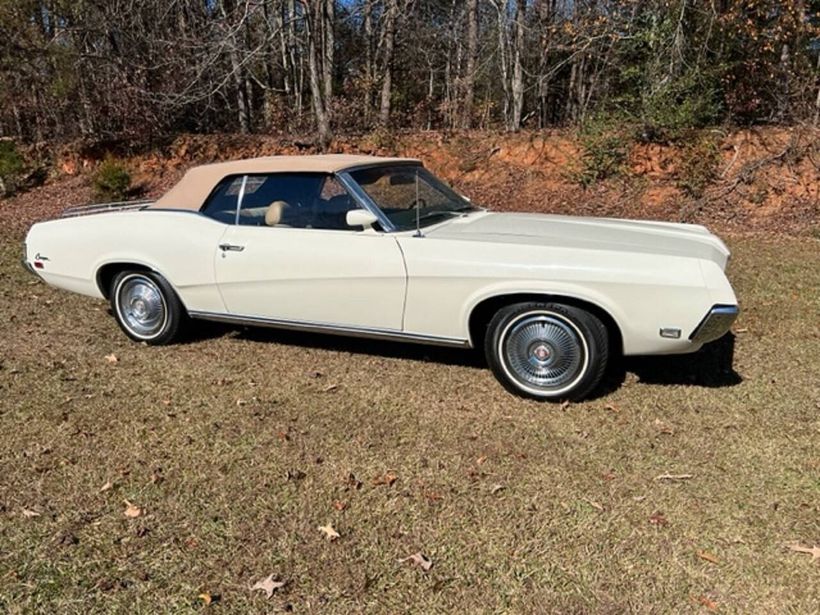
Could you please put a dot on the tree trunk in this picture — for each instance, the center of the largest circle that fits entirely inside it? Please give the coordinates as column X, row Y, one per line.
column 817, row 102
column 430, row 93
column 322, row 121
column 518, row 65
column 328, row 48
column 387, row 61
column 546, row 11
column 502, row 62
column 785, row 93
column 369, row 68
column 472, row 56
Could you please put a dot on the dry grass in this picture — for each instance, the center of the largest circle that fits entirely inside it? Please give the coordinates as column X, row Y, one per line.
column 236, row 449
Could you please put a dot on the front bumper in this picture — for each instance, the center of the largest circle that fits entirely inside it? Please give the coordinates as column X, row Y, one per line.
column 715, row 324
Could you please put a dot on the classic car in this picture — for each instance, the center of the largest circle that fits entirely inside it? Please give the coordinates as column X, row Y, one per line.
column 381, row 248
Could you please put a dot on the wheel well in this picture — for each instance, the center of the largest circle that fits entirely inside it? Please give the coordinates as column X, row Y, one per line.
column 106, row 274
column 483, row 312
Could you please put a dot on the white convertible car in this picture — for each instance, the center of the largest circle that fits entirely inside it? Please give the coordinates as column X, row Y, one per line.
column 379, row 247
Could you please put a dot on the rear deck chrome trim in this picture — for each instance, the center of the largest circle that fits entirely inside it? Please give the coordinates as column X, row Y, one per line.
column 102, row 208
column 319, row 327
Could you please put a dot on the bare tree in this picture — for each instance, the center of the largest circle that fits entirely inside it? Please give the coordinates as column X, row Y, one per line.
column 328, row 49
column 518, row 65
column 319, row 109
column 390, row 15
column 472, row 59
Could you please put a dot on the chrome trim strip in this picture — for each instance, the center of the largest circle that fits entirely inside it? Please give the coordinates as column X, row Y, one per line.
column 319, row 327
column 99, row 208
column 239, row 199
column 715, row 324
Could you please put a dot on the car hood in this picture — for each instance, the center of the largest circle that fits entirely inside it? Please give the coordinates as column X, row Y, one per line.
column 607, row 234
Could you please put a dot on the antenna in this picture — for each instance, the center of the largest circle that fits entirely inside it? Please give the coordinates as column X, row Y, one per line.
column 418, row 218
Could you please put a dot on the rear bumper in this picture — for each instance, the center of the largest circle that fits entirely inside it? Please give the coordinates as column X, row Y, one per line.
column 715, row 324
column 29, row 267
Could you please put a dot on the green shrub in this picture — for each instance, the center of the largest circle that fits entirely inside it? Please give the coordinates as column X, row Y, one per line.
column 112, row 180
column 605, row 142
column 11, row 167
column 669, row 111
column 698, row 165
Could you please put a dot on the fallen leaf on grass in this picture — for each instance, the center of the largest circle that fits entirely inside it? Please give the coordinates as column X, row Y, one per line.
column 330, row 387
column 663, row 428
column 108, row 486
column 111, row 358
column 29, row 514
column 496, row 489
column 674, row 477
column 388, row 479
column 268, row 585
column 594, row 505
column 131, row 511
column 208, row 598
column 339, row 505
column 329, row 532
column 709, row 604
column 813, row 551
column 564, row 405
column 418, row 559
column 657, row 518
column 705, row 555
column 612, row 408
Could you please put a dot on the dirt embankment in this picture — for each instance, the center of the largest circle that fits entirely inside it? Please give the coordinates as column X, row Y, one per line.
column 762, row 180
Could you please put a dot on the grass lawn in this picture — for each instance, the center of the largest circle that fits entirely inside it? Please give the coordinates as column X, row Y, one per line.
column 237, row 446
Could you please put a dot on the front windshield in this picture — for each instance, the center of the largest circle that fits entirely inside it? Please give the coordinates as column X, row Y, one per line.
column 397, row 190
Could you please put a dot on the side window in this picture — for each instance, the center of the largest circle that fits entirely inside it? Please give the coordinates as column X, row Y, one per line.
column 221, row 204
column 295, row 200
column 332, row 207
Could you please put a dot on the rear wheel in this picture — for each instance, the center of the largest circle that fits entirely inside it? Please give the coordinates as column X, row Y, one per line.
column 146, row 307
column 547, row 351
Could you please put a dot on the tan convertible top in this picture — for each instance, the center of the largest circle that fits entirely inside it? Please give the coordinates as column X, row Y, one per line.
column 195, row 186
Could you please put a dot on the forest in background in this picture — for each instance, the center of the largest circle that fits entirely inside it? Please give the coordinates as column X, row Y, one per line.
column 141, row 70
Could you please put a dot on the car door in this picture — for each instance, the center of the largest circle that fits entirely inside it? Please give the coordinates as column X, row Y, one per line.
column 289, row 256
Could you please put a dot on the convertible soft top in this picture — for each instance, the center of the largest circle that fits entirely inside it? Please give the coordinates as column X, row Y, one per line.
column 195, row 186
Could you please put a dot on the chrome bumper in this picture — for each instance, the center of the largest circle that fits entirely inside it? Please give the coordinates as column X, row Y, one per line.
column 715, row 324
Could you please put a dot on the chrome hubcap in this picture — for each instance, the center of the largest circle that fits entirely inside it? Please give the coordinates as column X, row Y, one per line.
column 543, row 351
column 141, row 306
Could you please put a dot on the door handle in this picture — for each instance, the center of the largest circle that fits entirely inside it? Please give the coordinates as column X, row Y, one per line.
column 229, row 247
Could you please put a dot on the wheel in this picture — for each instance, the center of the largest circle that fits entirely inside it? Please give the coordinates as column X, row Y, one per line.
column 146, row 307
column 547, row 351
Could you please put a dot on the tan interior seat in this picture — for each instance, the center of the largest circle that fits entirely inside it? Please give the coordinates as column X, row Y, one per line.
column 274, row 214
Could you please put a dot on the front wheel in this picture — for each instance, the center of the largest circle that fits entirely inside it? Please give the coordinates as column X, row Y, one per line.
column 547, row 351
column 146, row 307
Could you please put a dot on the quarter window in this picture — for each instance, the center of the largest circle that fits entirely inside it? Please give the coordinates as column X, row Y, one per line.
column 221, row 204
